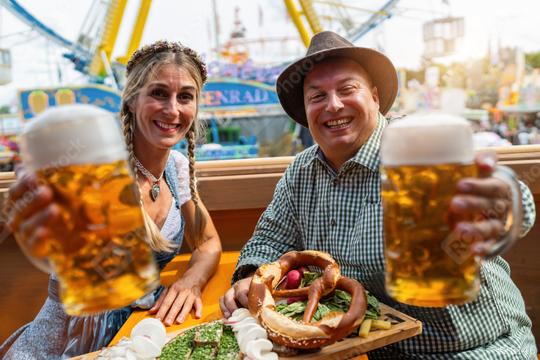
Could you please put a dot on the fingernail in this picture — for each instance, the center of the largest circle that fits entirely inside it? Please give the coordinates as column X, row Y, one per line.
column 226, row 314
column 478, row 248
column 464, row 186
column 464, row 227
column 459, row 204
column 489, row 161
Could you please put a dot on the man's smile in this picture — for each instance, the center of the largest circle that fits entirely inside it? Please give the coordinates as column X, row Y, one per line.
column 338, row 123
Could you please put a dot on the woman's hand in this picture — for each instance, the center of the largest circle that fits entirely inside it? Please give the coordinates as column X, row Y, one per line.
column 185, row 294
column 33, row 215
column 176, row 302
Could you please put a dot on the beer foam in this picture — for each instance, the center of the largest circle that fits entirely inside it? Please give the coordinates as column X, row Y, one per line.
column 426, row 140
column 72, row 135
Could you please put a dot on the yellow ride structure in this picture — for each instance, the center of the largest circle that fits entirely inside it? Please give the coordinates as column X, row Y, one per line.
column 302, row 11
column 100, row 64
column 313, row 16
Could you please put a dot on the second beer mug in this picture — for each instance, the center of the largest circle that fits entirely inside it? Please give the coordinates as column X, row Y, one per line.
column 104, row 261
column 422, row 159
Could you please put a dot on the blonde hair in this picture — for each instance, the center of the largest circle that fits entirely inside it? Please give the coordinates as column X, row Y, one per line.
column 141, row 68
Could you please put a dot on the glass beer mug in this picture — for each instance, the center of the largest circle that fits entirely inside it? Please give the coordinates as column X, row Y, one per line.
column 423, row 158
column 104, row 261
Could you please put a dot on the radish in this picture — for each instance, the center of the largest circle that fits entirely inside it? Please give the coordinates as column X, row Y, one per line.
column 294, row 278
column 145, row 348
column 295, row 299
column 302, row 269
column 152, row 329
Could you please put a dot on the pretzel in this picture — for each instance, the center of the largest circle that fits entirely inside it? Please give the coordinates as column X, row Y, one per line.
column 305, row 334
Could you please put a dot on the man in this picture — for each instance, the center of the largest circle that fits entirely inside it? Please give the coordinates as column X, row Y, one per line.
column 329, row 199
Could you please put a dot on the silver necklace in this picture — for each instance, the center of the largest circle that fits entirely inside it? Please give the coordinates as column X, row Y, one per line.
column 154, row 191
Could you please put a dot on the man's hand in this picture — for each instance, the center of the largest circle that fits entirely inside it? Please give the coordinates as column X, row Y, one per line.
column 480, row 207
column 236, row 296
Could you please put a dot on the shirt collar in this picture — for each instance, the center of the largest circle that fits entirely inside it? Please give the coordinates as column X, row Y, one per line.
column 367, row 155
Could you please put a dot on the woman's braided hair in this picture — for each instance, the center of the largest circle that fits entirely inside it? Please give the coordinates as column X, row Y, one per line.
column 142, row 66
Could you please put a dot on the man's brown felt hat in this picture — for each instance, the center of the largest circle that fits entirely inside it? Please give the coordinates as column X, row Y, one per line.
column 328, row 44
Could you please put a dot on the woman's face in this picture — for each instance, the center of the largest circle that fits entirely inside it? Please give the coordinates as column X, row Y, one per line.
column 165, row 108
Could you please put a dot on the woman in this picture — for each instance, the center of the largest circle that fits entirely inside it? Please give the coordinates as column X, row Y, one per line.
column 159, row 108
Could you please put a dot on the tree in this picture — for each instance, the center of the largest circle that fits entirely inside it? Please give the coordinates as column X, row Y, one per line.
column 533, row 59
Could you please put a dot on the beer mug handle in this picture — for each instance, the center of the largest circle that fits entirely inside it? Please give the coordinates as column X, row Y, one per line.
column 42, row 264
column 514, row 217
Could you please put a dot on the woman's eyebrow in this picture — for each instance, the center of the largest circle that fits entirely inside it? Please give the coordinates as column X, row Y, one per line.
column 165, row 85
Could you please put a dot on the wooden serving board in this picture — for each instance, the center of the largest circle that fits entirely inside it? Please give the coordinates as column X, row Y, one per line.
column 403, row 327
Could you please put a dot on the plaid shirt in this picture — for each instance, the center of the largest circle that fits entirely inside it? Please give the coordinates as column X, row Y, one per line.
column 315, row 207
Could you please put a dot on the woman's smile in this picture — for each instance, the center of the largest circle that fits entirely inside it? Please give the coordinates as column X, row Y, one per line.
column 168, row 128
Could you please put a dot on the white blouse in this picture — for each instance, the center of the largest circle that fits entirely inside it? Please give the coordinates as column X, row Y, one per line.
column 172, row 223
column 182, row 169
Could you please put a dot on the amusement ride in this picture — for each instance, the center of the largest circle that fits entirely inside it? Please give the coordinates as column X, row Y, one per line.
column 240, row 92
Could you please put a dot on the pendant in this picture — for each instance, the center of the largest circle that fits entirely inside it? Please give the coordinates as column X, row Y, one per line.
column 154, row 192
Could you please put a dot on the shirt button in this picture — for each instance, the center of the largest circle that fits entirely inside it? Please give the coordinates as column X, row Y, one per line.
column 334, row 182
column 333, row 222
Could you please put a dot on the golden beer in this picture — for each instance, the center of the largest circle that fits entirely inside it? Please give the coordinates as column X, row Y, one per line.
column 425, row 265
column 104, row 261
column 422, row 160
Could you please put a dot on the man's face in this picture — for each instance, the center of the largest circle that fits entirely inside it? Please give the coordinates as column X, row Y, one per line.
column 341, row 107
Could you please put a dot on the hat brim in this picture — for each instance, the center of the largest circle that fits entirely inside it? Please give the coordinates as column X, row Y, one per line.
column 290, row 82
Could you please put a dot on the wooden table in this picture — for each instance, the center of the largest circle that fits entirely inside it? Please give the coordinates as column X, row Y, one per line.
column 215, row 288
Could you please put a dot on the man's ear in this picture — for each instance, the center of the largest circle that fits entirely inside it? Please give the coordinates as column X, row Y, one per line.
column 375, row 95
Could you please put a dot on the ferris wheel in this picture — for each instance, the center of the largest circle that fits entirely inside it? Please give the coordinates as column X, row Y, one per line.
column 91, row 51
column 352, row 19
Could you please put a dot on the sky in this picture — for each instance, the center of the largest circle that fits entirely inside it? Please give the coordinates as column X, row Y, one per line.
column 38, row 62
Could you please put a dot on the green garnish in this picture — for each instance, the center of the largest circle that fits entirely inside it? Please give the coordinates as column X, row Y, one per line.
column 209, row 333
column 339, row 301
column 228, row 346
column 203, row 352
column 308, row 278
column 294, row 310
column 202, row 342
column 373, row 309
column 180, row 347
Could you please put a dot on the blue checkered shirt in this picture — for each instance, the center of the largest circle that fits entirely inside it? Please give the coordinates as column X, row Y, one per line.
column 315, row 207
